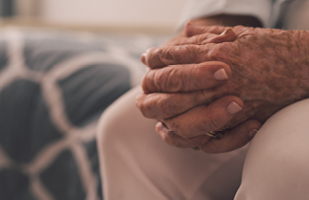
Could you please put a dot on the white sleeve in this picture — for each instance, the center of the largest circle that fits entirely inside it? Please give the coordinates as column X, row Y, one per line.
column 261, row 9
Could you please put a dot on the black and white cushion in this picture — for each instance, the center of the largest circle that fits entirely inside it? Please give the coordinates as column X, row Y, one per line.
column 53, row 88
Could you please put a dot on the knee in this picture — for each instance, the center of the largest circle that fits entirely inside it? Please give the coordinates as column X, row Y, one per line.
column 109, row 128
column 119, row 122
column 276, row 163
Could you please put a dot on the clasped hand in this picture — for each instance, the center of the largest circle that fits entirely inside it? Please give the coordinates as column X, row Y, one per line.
column 228, row 80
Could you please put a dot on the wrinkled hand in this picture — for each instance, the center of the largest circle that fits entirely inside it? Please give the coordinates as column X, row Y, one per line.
column 266, row 69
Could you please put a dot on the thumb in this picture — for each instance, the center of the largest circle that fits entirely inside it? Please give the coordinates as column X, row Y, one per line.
column 192, row 29
column 228, row 35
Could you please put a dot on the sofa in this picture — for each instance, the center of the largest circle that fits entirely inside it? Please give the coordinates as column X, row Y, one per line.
column 54, row 85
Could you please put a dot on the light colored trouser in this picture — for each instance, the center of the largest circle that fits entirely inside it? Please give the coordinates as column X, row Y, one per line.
column 137, row 165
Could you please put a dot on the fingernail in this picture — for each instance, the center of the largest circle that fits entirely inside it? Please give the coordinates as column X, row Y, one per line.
column 226, row 31
column 252, row 133
column 221, row 75
column 234, row 108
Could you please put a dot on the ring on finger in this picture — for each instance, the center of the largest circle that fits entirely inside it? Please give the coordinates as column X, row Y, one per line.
column 214, row 135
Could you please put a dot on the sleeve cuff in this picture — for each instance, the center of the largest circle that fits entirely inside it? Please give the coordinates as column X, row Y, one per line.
column 261, row 9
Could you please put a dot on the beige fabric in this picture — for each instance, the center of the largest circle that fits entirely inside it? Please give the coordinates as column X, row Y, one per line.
column 137, row 165
column 277, row 163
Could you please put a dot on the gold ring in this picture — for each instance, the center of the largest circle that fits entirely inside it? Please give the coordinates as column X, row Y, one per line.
column 215, row 135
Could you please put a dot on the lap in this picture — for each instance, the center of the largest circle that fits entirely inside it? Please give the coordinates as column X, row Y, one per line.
column 137, row 164
column 277, row 164
column 129, row 145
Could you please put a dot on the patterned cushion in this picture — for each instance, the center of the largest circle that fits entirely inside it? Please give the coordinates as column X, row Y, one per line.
column 53, row 88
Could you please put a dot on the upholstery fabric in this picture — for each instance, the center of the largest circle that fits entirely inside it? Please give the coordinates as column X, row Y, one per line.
column 53, row 88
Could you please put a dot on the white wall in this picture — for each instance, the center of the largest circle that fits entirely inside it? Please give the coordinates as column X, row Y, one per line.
column 148, row 13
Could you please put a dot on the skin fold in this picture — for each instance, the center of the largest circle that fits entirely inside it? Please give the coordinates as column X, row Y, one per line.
column 266, row 70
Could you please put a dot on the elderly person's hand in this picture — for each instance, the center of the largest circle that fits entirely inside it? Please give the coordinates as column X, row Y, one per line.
column 265, row 70
column 209, row 26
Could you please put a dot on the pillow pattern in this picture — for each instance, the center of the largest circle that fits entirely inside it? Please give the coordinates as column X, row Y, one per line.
column 53, row 88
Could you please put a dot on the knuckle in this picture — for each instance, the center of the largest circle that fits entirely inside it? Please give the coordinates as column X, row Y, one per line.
column 141, row 107
column 160, row 80
column 155, row 81
column 156, row 106
column 183, row 54
column 219, row 52
column 173, row 80
column 146, row 107
column 168, row 55
column 151, row 52
column 165, row 106
column 154, row 57
column 193, row 54
column 191, row 49
column 200, row 38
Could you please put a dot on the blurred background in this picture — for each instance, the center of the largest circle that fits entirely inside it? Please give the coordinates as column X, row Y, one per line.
column 103, row 15
column 62, row 63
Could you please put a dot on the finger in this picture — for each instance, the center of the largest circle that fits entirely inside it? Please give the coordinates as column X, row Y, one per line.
column 199, row 140
column 203, row 119
column 232, row 139
column 186, row 78
column 189, row 53
column 203, row 35
column 166, row 105
column 171, row 138
column 192, row 29
column 206, row 32
column 175, row 55
column 227, row 35
column 197, row 39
